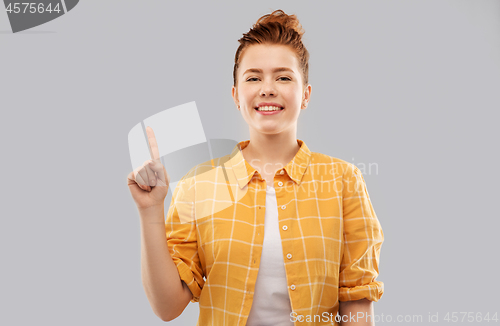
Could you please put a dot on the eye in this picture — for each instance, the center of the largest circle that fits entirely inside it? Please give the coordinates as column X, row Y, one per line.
column 285, row 78
column 250, row 79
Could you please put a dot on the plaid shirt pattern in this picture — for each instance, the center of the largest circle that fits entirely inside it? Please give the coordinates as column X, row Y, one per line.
column 330, row 235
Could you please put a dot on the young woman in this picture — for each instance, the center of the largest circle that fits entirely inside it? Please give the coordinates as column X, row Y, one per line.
column 272, row 234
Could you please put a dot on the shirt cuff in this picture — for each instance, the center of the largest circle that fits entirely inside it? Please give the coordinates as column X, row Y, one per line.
column 371, row 291
column 186, row 275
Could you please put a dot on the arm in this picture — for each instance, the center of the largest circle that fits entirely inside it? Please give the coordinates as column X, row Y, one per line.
column 363, row 238
column 362, row 309
column 167, row 295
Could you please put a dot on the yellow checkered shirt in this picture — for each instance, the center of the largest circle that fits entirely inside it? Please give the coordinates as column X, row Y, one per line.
column 330, row 235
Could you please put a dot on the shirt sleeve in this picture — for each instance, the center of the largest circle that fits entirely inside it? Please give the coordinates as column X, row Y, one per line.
column 363, row 239
column 180, row 227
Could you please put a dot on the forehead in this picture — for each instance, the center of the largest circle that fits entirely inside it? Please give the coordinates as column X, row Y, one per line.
column 267, row 56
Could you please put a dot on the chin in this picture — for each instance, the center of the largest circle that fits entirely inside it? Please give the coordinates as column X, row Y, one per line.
column 270, row 131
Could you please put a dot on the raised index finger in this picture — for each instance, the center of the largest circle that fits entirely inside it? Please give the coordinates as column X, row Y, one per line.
column 153, row 145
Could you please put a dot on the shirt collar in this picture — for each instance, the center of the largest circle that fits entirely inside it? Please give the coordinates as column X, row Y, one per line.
column 244, row 172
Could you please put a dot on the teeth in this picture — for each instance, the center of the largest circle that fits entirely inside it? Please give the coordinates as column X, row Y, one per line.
column 269, row 108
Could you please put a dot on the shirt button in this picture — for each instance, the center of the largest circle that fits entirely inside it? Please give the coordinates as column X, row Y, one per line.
column 285, row 227
column 283, row 207
column 289, row 256
column 282, row 172
column 292, row 287
column 280, row 183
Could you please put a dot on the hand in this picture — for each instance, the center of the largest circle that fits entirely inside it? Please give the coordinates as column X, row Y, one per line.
column 149, row 183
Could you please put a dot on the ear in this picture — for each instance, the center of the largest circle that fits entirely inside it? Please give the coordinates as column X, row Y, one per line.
column 234, row 94
column 307, row 96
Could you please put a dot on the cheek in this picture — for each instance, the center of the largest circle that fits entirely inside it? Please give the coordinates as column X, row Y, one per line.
column 246, row 93
column 293, row 95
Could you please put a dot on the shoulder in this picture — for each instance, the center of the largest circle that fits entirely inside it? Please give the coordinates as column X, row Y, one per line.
column 339, row 165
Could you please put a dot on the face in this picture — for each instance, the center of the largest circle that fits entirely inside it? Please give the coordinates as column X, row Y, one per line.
column 270, row 75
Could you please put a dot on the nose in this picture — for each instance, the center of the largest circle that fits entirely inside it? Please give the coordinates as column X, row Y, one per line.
column 267, row 89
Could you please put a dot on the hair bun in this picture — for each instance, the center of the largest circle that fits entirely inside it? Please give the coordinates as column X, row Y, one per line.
column 280, row 17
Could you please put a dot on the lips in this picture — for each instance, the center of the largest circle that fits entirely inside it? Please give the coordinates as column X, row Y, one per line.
column 269, row 112
column 268, row 104
column 282, row 108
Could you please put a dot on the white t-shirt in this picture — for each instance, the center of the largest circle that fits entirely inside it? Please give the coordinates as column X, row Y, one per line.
column 271, row 303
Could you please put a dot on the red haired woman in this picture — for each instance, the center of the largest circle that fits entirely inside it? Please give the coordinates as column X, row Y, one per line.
column 272, row 234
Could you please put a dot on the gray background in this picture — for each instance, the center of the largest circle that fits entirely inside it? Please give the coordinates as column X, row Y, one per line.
column 409, row 85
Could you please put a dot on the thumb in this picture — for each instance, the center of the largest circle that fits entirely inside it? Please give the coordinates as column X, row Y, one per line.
column 163, row 178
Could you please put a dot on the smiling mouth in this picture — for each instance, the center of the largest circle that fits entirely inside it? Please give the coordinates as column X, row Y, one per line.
column 269, row 108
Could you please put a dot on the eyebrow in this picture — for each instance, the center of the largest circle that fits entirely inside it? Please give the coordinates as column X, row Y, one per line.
column 255, row 70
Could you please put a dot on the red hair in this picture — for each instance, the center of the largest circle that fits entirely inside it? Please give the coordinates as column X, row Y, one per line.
column 275, row 28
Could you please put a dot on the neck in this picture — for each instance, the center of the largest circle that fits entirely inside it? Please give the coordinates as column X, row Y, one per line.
column 275, row 149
